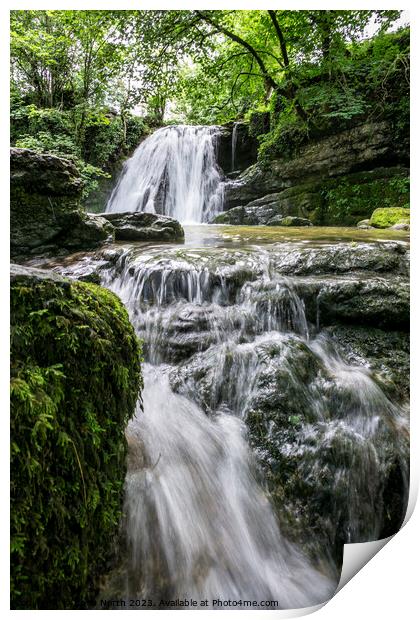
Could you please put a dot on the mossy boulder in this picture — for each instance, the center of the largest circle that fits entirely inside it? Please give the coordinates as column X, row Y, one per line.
column 75, row 381
column 384, row 218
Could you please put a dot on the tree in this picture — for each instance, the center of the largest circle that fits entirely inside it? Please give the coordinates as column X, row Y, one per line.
column 271, row 46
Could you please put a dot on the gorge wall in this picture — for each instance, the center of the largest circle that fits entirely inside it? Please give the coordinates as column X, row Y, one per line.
column 337, row 179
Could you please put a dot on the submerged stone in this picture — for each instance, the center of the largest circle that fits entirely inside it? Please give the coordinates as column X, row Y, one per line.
column 289, row 221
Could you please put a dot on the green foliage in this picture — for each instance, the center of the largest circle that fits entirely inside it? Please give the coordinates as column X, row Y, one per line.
column 63, row 146
column 105, row 137
column 75, row 372
column 284, row 140
column 350, row 201
column 68, row 68
column 370, row 81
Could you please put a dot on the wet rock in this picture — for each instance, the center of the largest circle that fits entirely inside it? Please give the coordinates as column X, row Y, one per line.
column 300, row 402
column 376, row 301
column 89, row 231
column 144, row 226
column 302, row 421
column 342, row 258
column 336, row 180
column 360, row 148
column 364, row 224
column 46, row 216
column 386, row 353
column 249, row 216
column 289, row 221
column 246, row 147
column 400, row 227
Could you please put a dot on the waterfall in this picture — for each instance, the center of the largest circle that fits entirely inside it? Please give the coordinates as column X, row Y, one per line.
column 226, row 337
column 173, row 172
column 234, row 142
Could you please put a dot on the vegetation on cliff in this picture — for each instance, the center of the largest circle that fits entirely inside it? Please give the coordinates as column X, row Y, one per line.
column 75, row 379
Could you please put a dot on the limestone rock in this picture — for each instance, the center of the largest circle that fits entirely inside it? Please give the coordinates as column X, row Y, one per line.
column 139, row 226
column 401, row 226
column 46, row 216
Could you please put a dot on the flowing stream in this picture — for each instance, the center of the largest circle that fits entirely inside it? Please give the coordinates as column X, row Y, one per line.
column 258, row 447
column 237, row 377
column 173, row 172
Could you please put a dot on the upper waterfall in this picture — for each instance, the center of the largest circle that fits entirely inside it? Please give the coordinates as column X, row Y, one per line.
column 173, row 172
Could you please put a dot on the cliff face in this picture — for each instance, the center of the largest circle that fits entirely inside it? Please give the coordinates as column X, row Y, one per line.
column 75, row 380
column 46, row 216
column 338, row 179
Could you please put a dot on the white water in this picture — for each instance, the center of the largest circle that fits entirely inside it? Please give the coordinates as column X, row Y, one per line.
column 234, row 141
column 199, row 524
column 173, row 172
column 199, row 521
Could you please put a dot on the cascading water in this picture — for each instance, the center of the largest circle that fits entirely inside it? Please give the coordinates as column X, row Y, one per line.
column 232, row 360
column 173, row 172
column 234, row 142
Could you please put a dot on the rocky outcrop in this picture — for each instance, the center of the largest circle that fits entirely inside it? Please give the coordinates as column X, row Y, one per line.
column 75, row 379
column 255, row 213
column 144, row 227
column 248, row 330
column 46, row 216
column 258, row 344
column 357, row 285
column 320, row 182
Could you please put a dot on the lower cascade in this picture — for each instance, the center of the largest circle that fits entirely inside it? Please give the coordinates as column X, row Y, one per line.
column 173, row 172
column 259, row 448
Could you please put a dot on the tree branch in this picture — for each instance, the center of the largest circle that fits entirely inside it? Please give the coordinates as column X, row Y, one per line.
column 280, row 37
column 234, row 37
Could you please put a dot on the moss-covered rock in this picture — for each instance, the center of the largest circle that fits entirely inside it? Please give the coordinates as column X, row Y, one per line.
column 75, row 380
column 384, row 218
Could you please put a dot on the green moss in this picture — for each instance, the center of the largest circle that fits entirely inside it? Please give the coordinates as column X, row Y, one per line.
column 355, row 197
column 75, row 379
column 384, row 218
